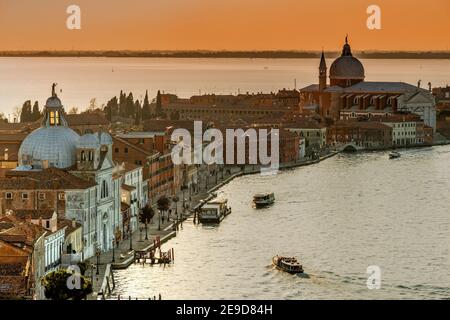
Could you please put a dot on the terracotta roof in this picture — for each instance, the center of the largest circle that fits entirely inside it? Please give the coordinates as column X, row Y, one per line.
column 34, row 214
column 18, row 127
column 86, row 119
column 12, row 136
column 362, row 124
column 47, row 179
column 70, row 225
column 304, row 124
column 5, row 225
column 22, row 232
column 132, row 146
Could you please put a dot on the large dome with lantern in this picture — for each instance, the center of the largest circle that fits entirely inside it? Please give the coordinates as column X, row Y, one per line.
column 54, row 143
column 346, row 70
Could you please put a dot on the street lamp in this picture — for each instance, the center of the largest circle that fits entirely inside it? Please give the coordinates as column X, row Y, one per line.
column 114, row 256
column 140, row 233
column 131, row 238
column 97, row 253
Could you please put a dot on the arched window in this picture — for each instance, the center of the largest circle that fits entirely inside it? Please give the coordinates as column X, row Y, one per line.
column 83, row 156
column 91, row 155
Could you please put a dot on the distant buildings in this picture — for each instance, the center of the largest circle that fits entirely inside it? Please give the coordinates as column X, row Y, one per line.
column 230, row 107
column 349, row 96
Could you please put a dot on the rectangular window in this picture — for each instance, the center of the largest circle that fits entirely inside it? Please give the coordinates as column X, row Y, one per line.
column 126, row 150
column 8, row 195
column 52, row 118
column 116, row 150
column 24, row 195
column 47, row 224
column 41, row 196
column 61, row 196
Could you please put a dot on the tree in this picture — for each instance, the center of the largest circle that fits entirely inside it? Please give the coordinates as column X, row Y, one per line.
column 163, row 204
column 36, row 113
column 112, row 108
column 92, row 105
column 73, row 110
column 129, row 107
column 146, row 110
column 175, row 199
column 122, row 104
column 145, row 216
column 17, row 114
column 159, row 111
column 57, row 286
column 26, row 114
column 137, row 112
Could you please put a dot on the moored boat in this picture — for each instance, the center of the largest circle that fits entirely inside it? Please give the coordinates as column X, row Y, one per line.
column 394, row 155
column 214, row 211
column 287, row 264
column 263, row 199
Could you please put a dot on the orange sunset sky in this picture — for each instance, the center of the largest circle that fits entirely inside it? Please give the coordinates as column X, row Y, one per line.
column 224, row 25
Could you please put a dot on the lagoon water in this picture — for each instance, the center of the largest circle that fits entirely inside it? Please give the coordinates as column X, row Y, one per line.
column 82, row 79
column 339, row 217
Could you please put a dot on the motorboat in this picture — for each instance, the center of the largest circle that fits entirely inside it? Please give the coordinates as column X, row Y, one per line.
column 263, row 199
column 394, row 155
column 287, row 264
column 214, row 211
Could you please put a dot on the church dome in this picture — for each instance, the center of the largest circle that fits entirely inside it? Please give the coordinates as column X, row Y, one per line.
column 347, row 67
column 57, row 145
column 54, row 143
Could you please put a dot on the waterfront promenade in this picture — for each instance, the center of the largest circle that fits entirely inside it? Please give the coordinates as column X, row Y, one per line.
column 103, row 282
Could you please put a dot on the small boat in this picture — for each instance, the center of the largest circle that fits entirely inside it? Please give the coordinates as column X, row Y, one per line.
column 394, row 155
column 214, row 211
column 263, row 199
column 287, row 264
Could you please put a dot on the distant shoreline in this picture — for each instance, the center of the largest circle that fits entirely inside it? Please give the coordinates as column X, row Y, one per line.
column 228, row 54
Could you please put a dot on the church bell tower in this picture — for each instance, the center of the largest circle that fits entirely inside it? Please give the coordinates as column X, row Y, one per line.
column 322, row 73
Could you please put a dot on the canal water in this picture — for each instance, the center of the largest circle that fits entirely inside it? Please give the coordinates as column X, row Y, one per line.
column 338, row 217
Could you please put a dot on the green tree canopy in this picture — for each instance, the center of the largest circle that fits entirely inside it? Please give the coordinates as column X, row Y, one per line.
column 159, row 110
column 137, row 112
column 26, row 114
column 36, row 114
column 163, row 203
column 146, row 110
column 57, row 286
column 146, row 214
